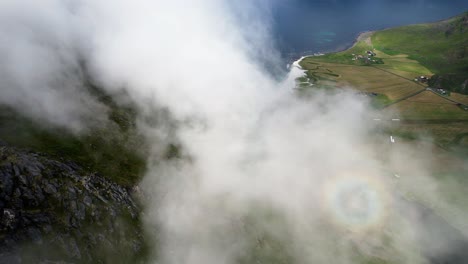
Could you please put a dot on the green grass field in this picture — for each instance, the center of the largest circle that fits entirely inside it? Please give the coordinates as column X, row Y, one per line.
column 403, row 66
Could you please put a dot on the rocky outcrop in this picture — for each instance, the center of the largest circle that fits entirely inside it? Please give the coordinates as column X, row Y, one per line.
column 52, row 210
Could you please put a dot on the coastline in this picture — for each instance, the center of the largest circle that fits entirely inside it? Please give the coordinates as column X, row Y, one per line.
column 360, row 36
column 367, row 33
column 296, row 62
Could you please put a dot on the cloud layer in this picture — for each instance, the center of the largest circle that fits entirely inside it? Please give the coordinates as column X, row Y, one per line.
column 266, row 174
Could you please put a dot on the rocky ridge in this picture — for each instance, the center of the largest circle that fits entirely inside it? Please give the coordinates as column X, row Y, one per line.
column 54, row 211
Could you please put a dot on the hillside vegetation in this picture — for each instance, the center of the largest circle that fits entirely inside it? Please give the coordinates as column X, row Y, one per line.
column 114, row 149
column 442, row 47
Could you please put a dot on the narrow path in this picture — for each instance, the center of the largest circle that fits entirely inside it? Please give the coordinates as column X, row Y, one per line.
column 433, row 121
column 412, row 81
column 425, row 88
column 446, row 98
column 418, row 92
column 402, row 77
column 404, row 98
column 458, row 138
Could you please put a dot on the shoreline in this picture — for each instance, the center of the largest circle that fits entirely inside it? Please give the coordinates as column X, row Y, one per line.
column 360, row 36
column 296, row 62
column 365, row 33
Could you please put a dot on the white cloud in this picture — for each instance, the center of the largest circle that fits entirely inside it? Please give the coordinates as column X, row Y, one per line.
column 253, row 145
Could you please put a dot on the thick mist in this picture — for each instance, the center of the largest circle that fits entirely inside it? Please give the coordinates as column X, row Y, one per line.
column 264, row 173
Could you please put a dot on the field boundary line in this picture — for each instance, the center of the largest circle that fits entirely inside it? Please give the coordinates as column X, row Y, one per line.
column 408, row 79
column 432, row 121
column 404, row 98
column 446, row 98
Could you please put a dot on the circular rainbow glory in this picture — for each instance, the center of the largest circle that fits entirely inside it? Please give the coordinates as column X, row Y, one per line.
column 355, row 202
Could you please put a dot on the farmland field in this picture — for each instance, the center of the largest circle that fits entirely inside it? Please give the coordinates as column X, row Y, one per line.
column 462, row 98
column 401, row 65
column 428, row 106
column 445, row 134
column 390, row 75
column 363, row 78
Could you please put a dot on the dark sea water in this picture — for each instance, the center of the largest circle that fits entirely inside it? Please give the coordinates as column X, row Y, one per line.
column 304, row 27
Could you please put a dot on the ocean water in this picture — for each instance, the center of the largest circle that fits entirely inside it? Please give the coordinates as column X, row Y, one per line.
column 303, row 27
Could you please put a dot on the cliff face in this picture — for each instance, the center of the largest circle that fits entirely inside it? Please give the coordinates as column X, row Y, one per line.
column 53, row 210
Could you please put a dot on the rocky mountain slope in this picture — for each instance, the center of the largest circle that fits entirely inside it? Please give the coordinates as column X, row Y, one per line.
column 52, row 210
